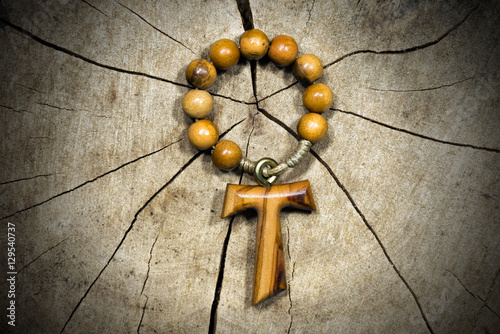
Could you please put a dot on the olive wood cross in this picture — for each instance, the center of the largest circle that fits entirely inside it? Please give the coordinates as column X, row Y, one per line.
column 270, row 277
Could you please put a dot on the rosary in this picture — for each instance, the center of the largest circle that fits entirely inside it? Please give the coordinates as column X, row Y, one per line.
column 267, row 199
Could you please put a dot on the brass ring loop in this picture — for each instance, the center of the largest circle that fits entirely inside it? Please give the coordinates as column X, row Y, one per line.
column 259, row 167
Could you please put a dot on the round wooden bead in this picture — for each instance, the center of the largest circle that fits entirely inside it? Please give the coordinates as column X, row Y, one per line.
column 224, row 54
column 201, row 73
column 317, row 98
column 254, row 44
column 197, row 103
column 226, row 155
column 203, row 134
column 283, row 50
column 312, row 127
column 307, row 69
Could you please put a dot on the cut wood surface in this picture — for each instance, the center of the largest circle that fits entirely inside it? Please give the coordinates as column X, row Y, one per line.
column 117, row 218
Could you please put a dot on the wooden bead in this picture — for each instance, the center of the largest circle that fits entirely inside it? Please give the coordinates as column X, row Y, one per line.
column 312, row 127
column 226, row 155
column 201, row 73
column 203, row 134
column 254, row 44
column 307, row 69
column 317, row 98
column 224, row 54
column 197, row 103
column 283, row 50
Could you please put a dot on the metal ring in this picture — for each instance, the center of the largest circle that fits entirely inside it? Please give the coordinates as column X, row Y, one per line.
column 259, row 167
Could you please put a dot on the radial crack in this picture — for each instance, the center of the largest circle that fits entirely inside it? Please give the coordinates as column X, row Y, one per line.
column 246, row 13
column 91, row 5
column 290, row 280
column 490, row 149
column 155, row 28
column 25, row 179
column 14, row 110
column 90, row 181
column 410, row 49
column 144, row 285
column 290, row 299
column 419, row 89
column 190, row 161
column 40, row 255
column 232, row 99
column 278, row 91
column 220, row 278
column 279, row 122
column 372, row 231
column 186, row 165
column 309, row 11
column 149, row 264
column 55, row 107
column 485, row 300
column 142, row 315
column 85, row 59
column 462, row 284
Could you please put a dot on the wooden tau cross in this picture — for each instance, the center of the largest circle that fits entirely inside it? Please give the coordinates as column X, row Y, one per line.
column 270, row 276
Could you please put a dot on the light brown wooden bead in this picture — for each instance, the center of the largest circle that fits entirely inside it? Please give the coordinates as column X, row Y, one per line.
column 312, row 127
column 203, row 134
column 283, row 50
column 226, row 155
column 317, row 98
column 201, row 73
column 197, row 103
column 307, row 69
column 224, row 54
column 254, row 44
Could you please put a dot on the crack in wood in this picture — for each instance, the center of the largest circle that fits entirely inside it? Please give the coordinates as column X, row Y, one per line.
column 279, row 122
column 410, row 49
column 144, row 285
column 94, row 7
column 220, row 278
column 30, row 88
column 420, row 89
column 142, row 315
column 15, row 110
column 245, row 13
column 55, row 107
column 291, row 278
column 375, row 235
column 90, row 181
column 129, row 229
column 155, row 28
column 382, row 52
column 149, row 264
column 232, row 99
column 489, row 149
column 25, row 179
column 86, row 59
column 278, row 91
column 41, row 254
column 462, row 284
column 485, row 300
column 309, row 11
column 186, row 165
column 290, row 299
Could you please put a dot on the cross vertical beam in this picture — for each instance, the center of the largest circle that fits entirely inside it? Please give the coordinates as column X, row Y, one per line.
column 270, row 276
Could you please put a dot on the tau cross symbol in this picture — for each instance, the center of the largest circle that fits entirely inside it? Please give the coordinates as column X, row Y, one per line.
column 270, row 276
